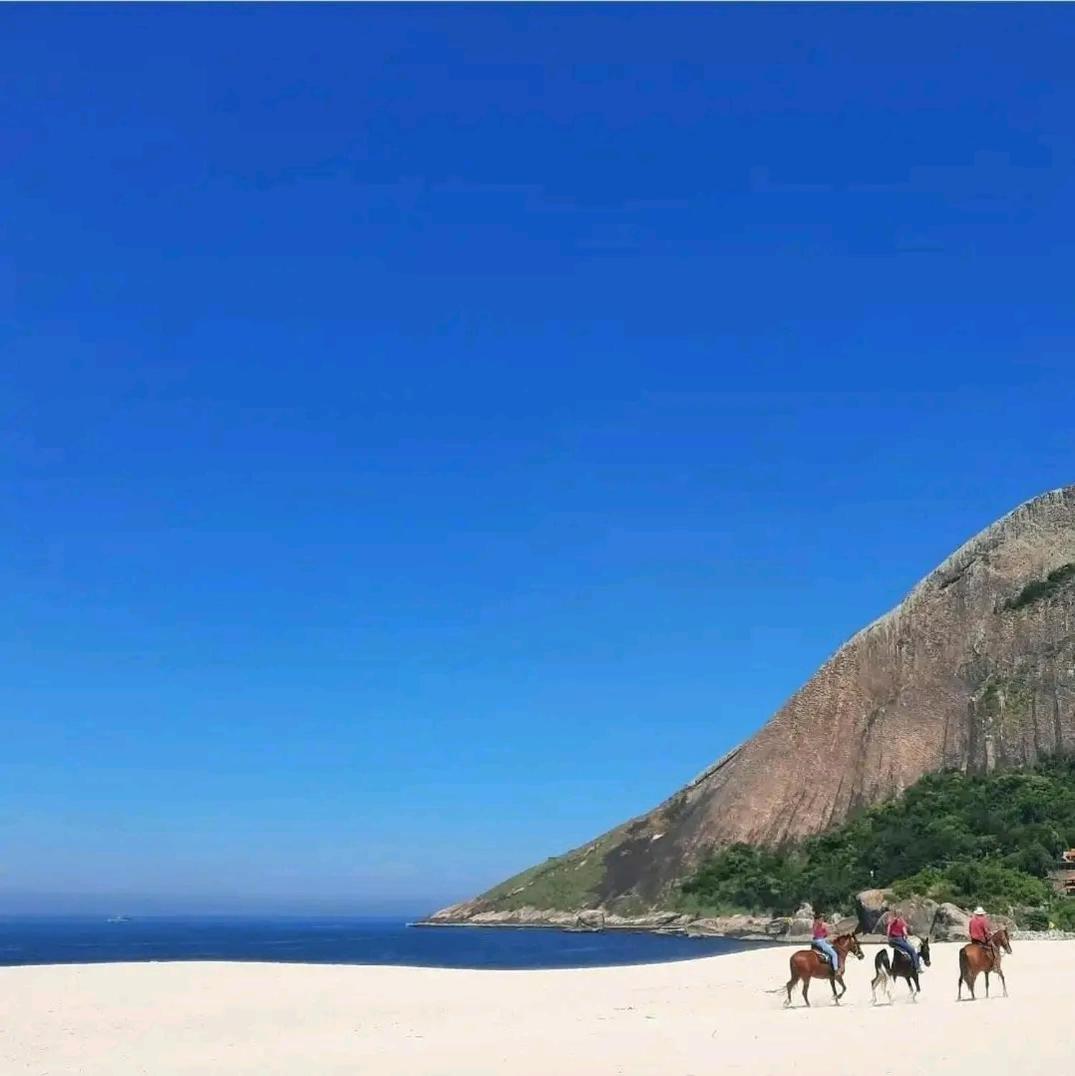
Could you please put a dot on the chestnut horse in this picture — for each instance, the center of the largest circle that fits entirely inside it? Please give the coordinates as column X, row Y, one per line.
column 808, row 964
column 900, row 967
column 976, row 958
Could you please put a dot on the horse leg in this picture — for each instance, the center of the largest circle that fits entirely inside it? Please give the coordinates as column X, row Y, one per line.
column 1003, row 981
column 910, row 987
column 965, row 975
column 987, row 984
column 791, row 986
column 806, row 991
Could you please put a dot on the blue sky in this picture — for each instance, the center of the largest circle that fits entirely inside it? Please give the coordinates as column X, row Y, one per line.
column 431, row 435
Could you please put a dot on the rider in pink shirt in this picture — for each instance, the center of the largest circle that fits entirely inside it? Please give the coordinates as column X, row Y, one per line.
column 979, row 927
column 897, row 938
column 823, row 945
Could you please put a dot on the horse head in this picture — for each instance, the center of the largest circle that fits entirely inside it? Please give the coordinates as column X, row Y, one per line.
column 923, row 952
column 851, row 944
column 1001, row 939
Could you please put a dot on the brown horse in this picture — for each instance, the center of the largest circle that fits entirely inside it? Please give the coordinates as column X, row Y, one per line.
column 976, row 958
column 808, row 964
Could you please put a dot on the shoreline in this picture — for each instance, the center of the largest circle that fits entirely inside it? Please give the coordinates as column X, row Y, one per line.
column 694, row 930
column 611, row 928
column 680, row 924
column 761, row 939
column 595, row 918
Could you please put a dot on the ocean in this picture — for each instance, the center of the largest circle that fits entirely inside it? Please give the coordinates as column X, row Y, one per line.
column 335, row 941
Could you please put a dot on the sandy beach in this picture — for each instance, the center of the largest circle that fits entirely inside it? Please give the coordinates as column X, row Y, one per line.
column 682, row 1019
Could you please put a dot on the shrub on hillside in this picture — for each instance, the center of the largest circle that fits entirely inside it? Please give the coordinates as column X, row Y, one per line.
column 1062, row 914
column 1040, row 589
column 970, row 882
column 982, row 839
column 746, row 878
column 1034, row 919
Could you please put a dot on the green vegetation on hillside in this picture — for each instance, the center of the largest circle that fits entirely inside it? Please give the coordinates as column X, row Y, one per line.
column 988, row 839
column 1043, row 588
column 563, row 883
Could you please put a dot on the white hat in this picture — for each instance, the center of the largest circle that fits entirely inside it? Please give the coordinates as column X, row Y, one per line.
column 979, row 910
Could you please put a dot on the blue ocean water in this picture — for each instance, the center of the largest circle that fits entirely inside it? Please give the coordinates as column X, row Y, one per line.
column 334, row 941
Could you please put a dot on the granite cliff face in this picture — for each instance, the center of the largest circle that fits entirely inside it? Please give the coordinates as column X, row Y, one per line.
column 974, row 669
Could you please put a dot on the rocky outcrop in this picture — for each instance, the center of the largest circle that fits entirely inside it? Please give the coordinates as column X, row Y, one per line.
column 873, row 905
column 737, row 926
column 926, row 918
column 950, row 924
column 590, row 920
column 870, row 906
column 974, row 669
column 730, row 926
column 919, row 912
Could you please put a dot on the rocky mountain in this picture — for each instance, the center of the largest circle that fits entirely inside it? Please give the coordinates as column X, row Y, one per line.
column 974, row 669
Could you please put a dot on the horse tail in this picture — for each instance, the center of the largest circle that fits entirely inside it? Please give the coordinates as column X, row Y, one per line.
column 881, row 961
column 963, row 970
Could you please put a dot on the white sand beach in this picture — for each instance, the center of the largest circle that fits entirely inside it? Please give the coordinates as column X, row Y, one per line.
column 683, row 1019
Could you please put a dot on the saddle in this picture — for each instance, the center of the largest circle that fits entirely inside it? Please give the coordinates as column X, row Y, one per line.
column 897, row 952
column 823, row 957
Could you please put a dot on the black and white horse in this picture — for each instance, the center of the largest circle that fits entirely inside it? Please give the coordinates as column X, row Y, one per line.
column 900, row 967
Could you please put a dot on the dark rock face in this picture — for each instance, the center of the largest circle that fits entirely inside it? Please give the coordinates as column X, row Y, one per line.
column 974, row 669
column 870, row 906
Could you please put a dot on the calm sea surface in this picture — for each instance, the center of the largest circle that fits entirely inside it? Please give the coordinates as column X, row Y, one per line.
column 334, row 941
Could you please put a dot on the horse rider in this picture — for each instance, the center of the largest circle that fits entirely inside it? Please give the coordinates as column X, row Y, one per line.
column 897, row 938
column 981, row 933
column 821, row 943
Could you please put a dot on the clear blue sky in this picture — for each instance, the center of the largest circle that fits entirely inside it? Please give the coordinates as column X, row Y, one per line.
column 432, row 434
